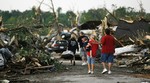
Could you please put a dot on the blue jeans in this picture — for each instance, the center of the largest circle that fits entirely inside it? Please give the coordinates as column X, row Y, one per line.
column 90, row 60
column 107, row 58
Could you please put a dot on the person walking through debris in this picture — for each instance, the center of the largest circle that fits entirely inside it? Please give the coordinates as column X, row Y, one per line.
column 91, row 49
column 82, row 43
column 107, row 51
column 73, row 46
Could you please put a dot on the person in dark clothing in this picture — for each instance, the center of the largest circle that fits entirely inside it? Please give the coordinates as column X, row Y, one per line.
column 81, row 41
column 85, row 43
column 82, row 35
column 73, row 45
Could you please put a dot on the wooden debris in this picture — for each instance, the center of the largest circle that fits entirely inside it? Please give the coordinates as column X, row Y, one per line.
column 147, row 37
column 137, row 61
column 41, row 67
column 147, row 67
column 28, row 70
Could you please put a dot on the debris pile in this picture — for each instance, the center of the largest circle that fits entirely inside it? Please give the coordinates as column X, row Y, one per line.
column 137, row 60
column 24, row 53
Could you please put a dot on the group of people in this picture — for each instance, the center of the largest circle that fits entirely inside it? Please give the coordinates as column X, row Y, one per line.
column 89, row 47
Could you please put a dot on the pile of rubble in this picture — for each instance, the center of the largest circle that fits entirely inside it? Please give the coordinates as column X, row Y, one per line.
column 138, row 60
column 24, row 54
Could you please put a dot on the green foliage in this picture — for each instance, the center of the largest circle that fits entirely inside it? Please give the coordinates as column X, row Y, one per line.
column 45, row 58
column 71, row 16
column 28, row 18
column 11, row 20
column 68, row 19
column 147, row 16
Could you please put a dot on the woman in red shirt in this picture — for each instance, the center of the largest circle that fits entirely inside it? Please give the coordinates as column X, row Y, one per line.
column 91, row 53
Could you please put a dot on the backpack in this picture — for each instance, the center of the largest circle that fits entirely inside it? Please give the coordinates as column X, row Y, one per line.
column 73, row 43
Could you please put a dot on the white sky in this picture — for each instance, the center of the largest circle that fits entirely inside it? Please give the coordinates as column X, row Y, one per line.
column 74, row 5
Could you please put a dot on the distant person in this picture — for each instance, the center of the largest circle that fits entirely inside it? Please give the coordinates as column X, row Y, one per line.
column 73, row 45
column 81, row 41
column 107, row 51
column 91, row 49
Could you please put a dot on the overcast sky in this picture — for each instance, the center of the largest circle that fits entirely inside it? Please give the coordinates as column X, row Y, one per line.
column 74, row 5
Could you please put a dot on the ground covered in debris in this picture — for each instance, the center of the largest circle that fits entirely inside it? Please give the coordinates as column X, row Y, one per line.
column 78, row 74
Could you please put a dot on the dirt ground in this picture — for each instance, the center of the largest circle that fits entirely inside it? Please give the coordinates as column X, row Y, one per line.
column 78, row 74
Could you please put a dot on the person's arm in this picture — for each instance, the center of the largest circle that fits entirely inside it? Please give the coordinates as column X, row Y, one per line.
column 91, row 53
column 78, row 39
column 95, row 42
column 68, row 47
column 102, row 42
column 77, row 47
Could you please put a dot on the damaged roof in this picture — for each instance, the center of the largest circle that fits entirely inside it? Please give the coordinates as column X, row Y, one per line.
column 132, row 29
column 89, row 25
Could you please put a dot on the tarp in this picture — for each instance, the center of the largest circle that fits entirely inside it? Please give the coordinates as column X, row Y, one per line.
column 131, row 29
column 89, row 25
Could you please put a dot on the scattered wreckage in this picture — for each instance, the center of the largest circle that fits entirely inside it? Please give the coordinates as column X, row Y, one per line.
column 135, row 51
column 132, row 39
column 131, row 45
column 23, row 55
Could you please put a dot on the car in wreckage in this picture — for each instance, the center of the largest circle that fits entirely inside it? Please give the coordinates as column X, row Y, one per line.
column 58, row 46
column 61, row 45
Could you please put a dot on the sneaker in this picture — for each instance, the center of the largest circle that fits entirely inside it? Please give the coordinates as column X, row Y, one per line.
column 92, row 72
column 84, row 63
column 89, row 72
column 109, row 72
column 104, row 71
